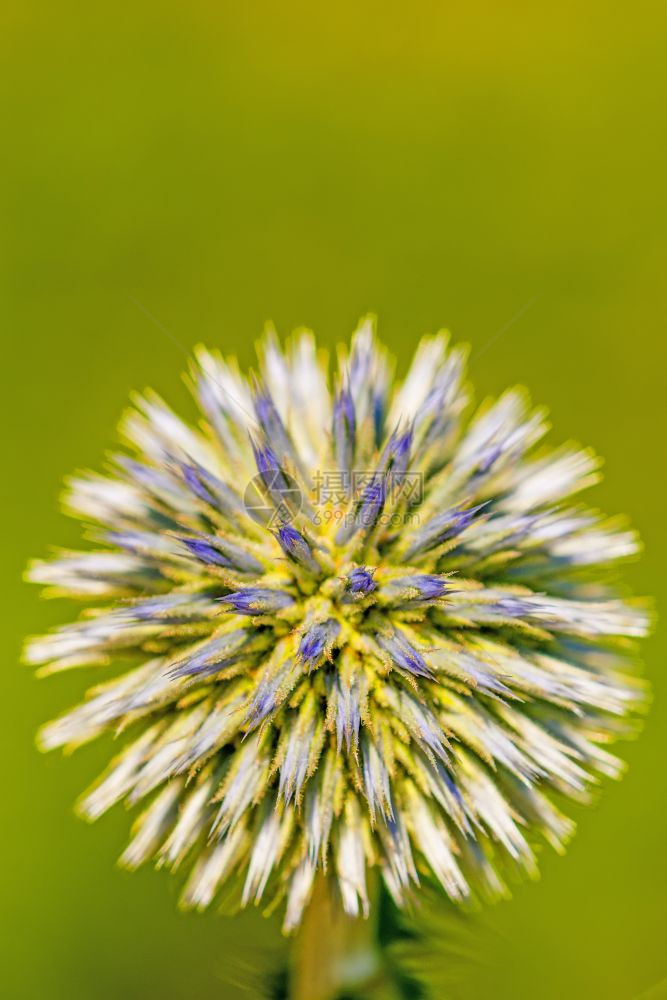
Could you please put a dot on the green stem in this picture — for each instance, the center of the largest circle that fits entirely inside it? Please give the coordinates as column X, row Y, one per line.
column 334, row 953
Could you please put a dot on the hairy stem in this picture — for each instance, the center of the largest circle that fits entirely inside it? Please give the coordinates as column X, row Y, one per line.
column 334, row 953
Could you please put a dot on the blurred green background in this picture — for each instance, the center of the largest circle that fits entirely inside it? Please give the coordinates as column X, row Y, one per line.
column 225, row 164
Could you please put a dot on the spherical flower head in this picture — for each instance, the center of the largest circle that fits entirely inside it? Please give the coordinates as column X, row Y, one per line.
column 397, row 659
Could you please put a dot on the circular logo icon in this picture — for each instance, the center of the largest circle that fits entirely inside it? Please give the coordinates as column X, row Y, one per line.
column 272, row 498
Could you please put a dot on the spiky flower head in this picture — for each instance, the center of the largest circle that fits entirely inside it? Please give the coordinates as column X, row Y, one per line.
column 363, row 628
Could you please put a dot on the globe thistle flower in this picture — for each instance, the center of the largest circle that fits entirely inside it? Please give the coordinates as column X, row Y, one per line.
column 403, row 656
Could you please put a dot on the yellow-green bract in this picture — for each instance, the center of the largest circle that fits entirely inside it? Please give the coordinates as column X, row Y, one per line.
column 392, row 660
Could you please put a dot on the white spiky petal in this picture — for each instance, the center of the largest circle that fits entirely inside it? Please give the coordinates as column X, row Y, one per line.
column 401, row 693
